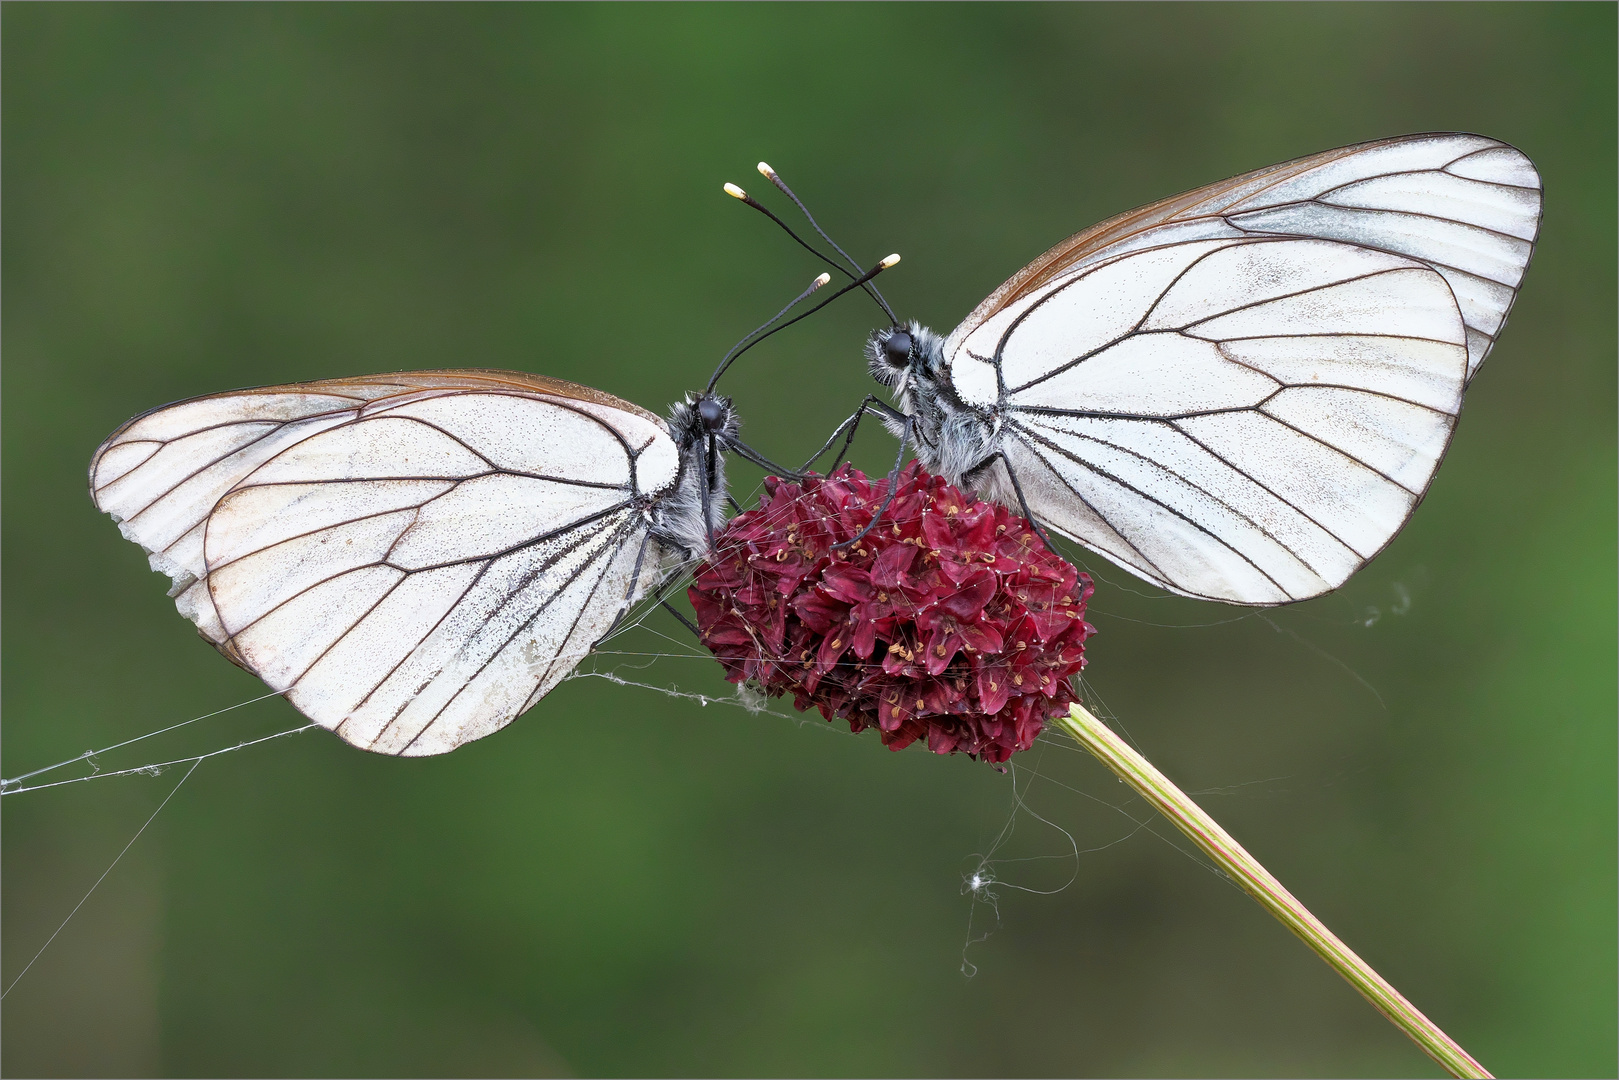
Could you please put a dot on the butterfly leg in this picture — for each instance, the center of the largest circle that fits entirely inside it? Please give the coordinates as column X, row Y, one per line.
column 748, row 453
column 657, row 594
column 671, row 609
column 847, row 429
column 893, row 477
column 988, row 463
column 872, row 404
column 708, row 480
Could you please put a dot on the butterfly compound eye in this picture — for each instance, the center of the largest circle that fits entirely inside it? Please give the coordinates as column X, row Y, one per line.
column 897, row 348
column 712, row 413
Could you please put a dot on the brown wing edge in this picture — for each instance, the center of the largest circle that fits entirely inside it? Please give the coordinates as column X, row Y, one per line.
column 1199, row 202
column 473, row 379
column 491, row 379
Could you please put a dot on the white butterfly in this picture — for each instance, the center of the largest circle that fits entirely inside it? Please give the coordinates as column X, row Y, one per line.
column 414, row 559
column 1239, row 393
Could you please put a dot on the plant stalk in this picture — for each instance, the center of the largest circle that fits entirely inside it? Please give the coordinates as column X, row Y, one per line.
column 1246, row 871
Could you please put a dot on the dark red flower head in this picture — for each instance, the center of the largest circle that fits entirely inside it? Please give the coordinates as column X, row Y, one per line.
column 950, row 619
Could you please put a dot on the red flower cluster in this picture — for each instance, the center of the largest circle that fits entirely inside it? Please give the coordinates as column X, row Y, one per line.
column 950, row 619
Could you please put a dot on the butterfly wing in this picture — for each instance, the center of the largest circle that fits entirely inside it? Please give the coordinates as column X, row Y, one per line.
column 1241, row 393
column 412, row 559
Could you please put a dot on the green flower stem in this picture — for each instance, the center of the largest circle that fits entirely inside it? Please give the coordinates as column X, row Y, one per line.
column 1245, row 870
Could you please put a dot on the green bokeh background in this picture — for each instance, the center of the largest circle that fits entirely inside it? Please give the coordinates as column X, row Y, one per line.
column 204, row 197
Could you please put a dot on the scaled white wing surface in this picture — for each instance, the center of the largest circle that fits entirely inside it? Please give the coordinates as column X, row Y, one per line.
column 413, row 559
column 1241, row 393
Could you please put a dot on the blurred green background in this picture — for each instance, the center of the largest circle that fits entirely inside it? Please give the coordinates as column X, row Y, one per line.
column 202, row 197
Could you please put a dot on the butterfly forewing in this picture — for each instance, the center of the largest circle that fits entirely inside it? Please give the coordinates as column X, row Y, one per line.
column 412, row 559
column 1467, row 205
column 1242, row 392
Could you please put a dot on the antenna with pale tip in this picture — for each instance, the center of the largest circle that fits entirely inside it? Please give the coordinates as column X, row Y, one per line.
column 770, row 174
column 740, row 347
column 744, row 345
column 775, row 178
column 737, row 193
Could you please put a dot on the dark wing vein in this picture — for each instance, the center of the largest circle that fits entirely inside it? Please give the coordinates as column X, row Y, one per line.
column 275, row 428
column 1257, row 407
column 507, row 599
column 1142, row 555
column 1424, row 259
column 1320, row 200
column 1135, row 327
column 383, row 562
column 607, row 549
column 1340, row 451
column 1136, row 330
column 366, row 614
column 1126, row 485
column 278, row 424
column 1074, row 456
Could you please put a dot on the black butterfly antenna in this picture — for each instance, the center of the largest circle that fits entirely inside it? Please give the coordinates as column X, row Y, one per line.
column 745, row 344
column 736, row 349
column 775, row 178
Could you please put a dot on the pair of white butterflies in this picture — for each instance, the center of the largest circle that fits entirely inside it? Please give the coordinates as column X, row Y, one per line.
column 1239, row 393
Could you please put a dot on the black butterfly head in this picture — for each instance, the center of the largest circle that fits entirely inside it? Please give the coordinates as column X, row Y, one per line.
column 897, row 348
column 704, row 427
column 701, row 416
column 714, row 411
column 889, row 353
column 894, row 351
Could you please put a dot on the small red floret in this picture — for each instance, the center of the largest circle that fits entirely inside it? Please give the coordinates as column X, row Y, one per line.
column 951, row 619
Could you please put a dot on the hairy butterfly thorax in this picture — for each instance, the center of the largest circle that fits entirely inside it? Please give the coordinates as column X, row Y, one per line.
column 703, row 427
column 952, row 439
